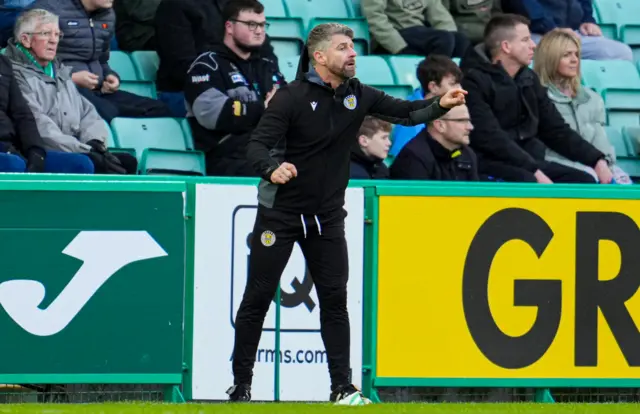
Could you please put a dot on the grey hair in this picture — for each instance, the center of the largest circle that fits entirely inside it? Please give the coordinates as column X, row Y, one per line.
column 320, row 37
column 28, row 21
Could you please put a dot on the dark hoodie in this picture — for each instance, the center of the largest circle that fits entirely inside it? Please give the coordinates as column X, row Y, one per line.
column 314, row 127
column 424, row 158
column 366, row 167
column 514, row 120
column 225, row 100
column 184, row 30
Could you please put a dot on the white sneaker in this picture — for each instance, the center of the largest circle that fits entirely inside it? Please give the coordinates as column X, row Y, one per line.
column 350, row 395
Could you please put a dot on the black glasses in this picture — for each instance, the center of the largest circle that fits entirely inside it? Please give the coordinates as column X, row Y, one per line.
column 253, row 25
column 465, row 120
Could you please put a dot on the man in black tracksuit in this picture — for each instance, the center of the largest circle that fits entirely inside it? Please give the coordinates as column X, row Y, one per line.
column 301, row 149
column 226, row 90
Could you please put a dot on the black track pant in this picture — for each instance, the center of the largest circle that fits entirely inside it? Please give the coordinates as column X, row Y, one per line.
column 325, row 250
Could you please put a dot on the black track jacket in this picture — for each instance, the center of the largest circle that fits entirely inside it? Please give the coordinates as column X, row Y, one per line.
column 314, row 127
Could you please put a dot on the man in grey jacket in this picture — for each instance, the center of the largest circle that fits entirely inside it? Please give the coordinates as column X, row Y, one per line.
column 66, row 120
column 88, row 27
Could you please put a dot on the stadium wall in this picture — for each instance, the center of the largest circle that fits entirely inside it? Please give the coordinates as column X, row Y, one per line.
column 136, row 280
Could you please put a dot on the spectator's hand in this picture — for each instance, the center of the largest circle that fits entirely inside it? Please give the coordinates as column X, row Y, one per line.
column 36, row 160
column 103, row 160
column 453, row 97
column 590, row 29
column 284, row 173
column 269, row 96
column 111, row 84
column 85, row 79
column 542, row 178
column 603, row 172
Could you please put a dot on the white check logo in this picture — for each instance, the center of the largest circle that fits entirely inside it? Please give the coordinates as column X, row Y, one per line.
column 104, row 253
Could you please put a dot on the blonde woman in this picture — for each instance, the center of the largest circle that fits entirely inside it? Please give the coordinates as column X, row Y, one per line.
column 557, row 63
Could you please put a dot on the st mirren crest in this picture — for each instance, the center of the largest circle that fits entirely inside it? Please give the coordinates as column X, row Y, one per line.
column 268, row 238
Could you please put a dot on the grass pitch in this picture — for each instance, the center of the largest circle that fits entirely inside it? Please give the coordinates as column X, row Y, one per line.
column 257, row 408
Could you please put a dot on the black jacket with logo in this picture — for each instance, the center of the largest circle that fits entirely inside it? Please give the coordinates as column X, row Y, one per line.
column 424, row 158
column 514, row 120
column 314, row 127
column 184, row 30
column 225, row 100
column 17, row 124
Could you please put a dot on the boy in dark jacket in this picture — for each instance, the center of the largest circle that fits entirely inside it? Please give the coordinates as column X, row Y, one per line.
column 514, row 120
column 367, row 158
column 440, row 152
column 301, row 150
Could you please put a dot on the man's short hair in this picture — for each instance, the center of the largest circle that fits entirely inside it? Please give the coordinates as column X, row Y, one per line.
column 320, row 36
column 28, row 21
column 233, row 8
column 372, row 125
column 434, row 68
column 500, row 28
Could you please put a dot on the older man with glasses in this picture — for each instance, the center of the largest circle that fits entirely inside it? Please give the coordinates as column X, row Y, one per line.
column 66, row 121
column 228, row 88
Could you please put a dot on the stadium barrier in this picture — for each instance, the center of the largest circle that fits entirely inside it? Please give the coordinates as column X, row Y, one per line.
column 137, row 280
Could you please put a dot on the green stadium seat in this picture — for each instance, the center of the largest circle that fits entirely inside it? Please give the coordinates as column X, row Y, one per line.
column 361, row 37
column 287, row 36
column 274, row 8
column 143, row 133
column 146, row 89
column 618, row 82
column 186, row 131
column 356, row 8
column 404, row 69
column 397, row 91
column 309, row 9
column 457, row 61
column 626, row 156
column 374, row 70
column 618, row 141
column 146, row 64
column 289, row 67
column 122, row 64
column 623, row 16
column 111, row 142
column 632, row 136
column 171, row 162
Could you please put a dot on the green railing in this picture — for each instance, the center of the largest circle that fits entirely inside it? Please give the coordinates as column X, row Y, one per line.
column 464, row 285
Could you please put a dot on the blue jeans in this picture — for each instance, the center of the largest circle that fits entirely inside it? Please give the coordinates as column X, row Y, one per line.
column 55, row 162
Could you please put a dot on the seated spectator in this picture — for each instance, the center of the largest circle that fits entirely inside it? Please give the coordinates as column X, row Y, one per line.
column 572, row 16
column 228, row 89
column 440, row 152
column 436, row 74
column 21, row 148
column 514, row 119
column 419, row 27
column 367, row 158
column 66, row 121
column 471, row 16
column 88, row 27
column 135, row 24
column 184, row 30
column 557, row 63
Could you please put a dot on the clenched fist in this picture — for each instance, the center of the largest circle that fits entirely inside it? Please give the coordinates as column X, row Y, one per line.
column 284, row 173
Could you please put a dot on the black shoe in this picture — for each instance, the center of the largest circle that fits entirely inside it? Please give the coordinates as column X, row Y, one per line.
column 240, row 393
column 341, row 392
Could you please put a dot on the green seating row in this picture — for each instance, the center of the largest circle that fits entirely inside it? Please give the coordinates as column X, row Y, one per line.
column 161, row 145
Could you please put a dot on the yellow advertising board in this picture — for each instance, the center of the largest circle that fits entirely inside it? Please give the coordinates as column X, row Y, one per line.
column 473, row 287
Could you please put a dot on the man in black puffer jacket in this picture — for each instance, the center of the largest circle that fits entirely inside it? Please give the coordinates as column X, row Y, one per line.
column 514, row 120
column 88, row 27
